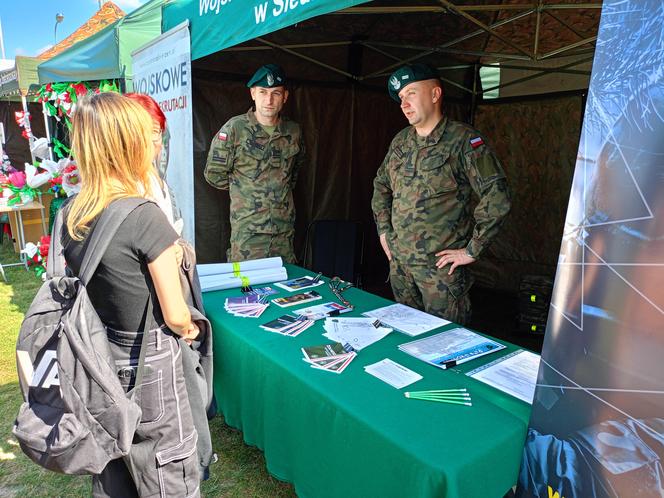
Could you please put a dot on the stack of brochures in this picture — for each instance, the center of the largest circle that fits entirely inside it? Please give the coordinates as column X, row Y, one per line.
column 358, row 332
column 301, row 298
column 450, row 348
column 261, row 291
column 219, row 276
column 322, row 310
column 246, row 306
column 288, row 325
column 331, row 357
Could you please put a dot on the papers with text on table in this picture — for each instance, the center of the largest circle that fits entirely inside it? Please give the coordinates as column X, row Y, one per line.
column 406, row 319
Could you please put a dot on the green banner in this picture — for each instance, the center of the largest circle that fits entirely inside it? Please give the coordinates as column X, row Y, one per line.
column 219, row 24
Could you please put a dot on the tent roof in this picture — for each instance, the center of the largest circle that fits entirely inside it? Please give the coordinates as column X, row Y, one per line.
column 107, row 15
column 365, row 41
column 18, row 79
column 107, row 53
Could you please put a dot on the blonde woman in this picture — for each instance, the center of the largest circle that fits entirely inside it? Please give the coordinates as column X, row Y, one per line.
column 111, row 140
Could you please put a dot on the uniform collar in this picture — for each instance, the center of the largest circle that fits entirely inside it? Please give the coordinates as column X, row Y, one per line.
column 432, row 138
column 253, row 122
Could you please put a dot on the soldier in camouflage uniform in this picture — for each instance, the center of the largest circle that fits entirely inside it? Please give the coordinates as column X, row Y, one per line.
column 422, row 199
column 257, row 156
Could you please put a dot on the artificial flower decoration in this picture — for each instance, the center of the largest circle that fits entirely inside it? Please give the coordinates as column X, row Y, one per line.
column 17, row 179
column 60, row 99
column 23, row 121
column 37, row 255
column 71, row 181
column 16, row 182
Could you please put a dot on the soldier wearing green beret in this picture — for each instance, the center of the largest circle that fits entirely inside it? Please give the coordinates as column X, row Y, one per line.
column 422, row 199
column 257, row 156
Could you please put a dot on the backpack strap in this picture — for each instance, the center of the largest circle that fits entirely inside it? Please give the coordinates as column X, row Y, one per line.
column 104, row 232
column 55, row 265
column 102, row 235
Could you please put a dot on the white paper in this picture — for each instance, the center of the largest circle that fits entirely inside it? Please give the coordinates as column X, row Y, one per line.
column 394, row 374
column 230, row 281
column 357, row 332
column 515, row 374
column 319, row 311
column 406, row 319
column 249, row 265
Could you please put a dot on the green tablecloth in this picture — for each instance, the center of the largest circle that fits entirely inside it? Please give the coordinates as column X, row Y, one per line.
column 350, row 434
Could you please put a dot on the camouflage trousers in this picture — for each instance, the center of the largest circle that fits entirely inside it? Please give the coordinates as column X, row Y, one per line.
column 433, row 290
column 261, row 245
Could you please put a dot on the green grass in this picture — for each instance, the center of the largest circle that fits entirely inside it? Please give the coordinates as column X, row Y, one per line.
column 240, row 471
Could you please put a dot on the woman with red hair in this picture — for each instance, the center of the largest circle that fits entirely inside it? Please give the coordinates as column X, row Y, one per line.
column 163, row 194
column 197, row 364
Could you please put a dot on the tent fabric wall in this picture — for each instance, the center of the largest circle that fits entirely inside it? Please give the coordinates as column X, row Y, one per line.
column 16, row 147
column 536, row 141
column 347, row 130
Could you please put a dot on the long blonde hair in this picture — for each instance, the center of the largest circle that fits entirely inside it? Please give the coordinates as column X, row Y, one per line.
column 112, row 145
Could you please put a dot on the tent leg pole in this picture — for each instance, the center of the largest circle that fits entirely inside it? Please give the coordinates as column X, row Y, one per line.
column 473, row 101
column 48, row 131
column 28, row 128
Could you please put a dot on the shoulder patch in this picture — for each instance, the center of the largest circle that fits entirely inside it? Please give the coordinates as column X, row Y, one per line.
column 222, row 136
column 476, row 142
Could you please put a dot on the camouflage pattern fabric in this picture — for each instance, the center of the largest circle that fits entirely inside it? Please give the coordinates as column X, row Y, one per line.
column 261, row 245
column 260, row 170
column 422, row 193
column 433, row 290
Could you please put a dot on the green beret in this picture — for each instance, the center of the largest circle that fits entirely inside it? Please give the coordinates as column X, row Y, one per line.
column 268, row 76
column 410, row 73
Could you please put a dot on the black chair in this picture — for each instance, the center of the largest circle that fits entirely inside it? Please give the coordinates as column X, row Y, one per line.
column 336, row 249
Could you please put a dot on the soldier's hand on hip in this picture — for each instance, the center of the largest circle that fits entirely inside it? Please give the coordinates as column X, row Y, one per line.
column 454, row 257
column 383, row 242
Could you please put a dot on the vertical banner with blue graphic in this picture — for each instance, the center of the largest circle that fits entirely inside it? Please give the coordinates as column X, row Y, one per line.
column 162, row 69
column 597, row 426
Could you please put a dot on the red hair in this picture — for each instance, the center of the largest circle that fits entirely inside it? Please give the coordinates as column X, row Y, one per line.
column 150, row 105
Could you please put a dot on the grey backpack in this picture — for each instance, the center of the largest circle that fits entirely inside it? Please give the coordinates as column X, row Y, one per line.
column 76, row 416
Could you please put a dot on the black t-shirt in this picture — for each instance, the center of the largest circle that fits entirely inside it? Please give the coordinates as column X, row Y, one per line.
column 119, row 288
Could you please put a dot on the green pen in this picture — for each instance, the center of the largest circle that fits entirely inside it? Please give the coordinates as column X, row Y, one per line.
column 457, row 398
column 440, row 400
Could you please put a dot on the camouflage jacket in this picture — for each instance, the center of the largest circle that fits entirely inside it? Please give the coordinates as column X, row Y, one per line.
column 260, row 170
column 422, row 193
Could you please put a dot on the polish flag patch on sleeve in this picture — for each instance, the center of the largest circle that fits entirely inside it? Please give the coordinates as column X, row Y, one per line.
column 476, row 142
column 222, row 136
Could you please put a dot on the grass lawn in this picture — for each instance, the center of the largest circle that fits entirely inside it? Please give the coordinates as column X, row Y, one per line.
column 240, row 471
